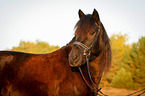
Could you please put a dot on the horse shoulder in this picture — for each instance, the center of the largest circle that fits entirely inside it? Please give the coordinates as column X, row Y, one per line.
column 9, row 67
column 4, row 60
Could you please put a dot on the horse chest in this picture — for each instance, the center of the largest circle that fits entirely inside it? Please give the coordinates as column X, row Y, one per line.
column 68, row 88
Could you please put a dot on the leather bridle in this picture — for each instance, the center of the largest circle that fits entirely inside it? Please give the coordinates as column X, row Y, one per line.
column 87, row 50
column 86, row 53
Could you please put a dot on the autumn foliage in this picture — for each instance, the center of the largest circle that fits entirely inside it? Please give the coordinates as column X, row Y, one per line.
column 35, row 47
column 128, row 64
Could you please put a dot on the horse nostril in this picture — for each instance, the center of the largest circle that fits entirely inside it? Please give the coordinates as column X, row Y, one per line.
column 75, row 57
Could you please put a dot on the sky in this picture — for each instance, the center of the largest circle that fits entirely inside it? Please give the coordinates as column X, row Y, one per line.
column 53, row 21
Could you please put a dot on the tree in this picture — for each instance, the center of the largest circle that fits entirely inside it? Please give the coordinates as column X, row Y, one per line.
column 119, row 48
column 134, row 62
column 123, row 79
column 35, row 47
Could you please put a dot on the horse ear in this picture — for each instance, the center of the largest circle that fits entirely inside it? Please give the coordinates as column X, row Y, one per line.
column 81, row 14
column 96, row 15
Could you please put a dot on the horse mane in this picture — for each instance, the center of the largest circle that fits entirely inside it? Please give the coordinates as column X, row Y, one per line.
column 72, row 41
column 107, row 53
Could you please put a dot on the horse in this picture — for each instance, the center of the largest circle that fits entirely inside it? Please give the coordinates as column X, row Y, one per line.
column 58, row 73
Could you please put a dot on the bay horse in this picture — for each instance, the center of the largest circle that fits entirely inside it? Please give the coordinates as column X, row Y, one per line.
column 57, row 73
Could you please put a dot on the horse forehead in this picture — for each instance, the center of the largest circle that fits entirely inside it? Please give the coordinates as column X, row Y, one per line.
column 84, row 29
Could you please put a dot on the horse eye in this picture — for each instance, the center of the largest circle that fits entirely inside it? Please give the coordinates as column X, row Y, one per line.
column 92, row 32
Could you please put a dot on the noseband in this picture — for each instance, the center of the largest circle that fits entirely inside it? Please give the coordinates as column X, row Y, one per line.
column 86, row 53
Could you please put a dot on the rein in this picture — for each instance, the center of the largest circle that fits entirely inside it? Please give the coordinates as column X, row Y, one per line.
column 93, row 90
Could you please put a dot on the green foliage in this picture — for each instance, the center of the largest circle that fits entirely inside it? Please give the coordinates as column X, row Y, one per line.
column 122, row 79
column 134, row 62
column 128, row 60
column 35, row 47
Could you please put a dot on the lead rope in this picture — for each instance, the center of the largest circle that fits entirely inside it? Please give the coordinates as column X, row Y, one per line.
column 88, row 83
column 137, row 92
column 85, row 79
column 98, row 90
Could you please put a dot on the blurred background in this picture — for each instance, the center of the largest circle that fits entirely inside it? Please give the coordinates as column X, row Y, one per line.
column 41, row 26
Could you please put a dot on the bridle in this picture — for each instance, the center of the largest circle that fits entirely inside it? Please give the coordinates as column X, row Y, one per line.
column 86, row 53
column 87, row 50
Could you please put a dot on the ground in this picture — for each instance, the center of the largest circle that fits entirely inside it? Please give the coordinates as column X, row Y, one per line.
column 119, row 92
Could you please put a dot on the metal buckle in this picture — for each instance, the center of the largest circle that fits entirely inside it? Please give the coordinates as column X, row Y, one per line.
column 86, row 52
